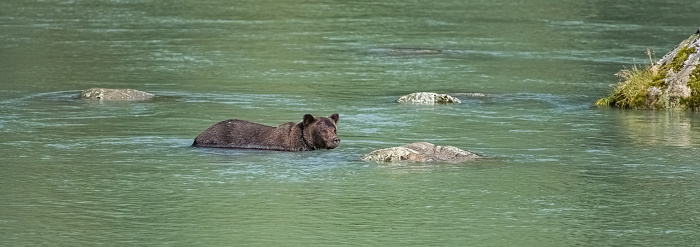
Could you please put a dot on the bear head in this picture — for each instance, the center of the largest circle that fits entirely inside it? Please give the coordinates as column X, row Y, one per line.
column 321, row 132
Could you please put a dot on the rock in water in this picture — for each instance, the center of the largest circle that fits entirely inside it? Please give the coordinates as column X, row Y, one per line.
column 671, row 83
column 115, row 94
column 421, row 152
column 405, row 51
column 428, row 98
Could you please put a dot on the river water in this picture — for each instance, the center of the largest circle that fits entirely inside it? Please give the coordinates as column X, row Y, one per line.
column 559, row 171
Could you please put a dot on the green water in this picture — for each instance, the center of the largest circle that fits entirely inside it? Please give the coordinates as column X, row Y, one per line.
column 559, row 172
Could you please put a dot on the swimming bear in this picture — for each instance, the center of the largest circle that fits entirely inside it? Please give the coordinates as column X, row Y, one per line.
column 310, row 134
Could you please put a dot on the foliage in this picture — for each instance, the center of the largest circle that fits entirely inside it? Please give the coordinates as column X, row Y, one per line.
column 603, row 102
column 631, row 91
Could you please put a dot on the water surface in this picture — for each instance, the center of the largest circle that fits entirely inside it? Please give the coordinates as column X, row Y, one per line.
column 559, row 172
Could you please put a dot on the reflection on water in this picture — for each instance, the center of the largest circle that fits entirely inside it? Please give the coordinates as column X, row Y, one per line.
column 668, row 128
column 559, row 171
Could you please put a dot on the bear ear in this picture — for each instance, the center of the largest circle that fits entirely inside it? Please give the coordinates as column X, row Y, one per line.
column 335, row 117
column 308, row 119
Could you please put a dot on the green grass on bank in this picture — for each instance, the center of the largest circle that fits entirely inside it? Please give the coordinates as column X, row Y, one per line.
column 636, row 84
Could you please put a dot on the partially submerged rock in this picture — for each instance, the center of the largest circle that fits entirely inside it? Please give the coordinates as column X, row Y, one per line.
column 428, row 98
column 115, row 94
column 405, row 51
column 420, row 152
column 671, row 83
column 470, row 94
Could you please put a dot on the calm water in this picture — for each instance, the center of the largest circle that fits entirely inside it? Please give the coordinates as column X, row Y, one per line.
column 560, row 172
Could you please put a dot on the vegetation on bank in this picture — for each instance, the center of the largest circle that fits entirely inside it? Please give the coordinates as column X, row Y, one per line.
column 647, row 87
column 632, row 89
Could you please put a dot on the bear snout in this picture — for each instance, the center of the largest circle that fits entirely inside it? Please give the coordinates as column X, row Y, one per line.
column 334, row 143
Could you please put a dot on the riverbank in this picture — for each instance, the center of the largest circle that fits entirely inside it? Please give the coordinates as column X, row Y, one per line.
column 673, row 82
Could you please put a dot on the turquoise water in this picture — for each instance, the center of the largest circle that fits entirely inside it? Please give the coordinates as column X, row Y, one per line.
column 559, row 171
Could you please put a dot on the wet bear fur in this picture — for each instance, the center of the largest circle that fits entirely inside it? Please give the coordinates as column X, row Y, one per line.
column 310, row 134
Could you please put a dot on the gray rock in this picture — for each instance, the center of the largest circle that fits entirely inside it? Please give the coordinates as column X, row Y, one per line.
column 421, row 152
column 677, row 81
column 405, row 51
column 115, row 94
column 428, row 98
column 680, row 88
column 470, row 94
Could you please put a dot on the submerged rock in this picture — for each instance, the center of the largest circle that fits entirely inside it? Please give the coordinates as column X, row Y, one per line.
column 673, row 82
column 470, row 94
column 405, row 51
column 115, row 94
column 428, row 98
column 420, row 152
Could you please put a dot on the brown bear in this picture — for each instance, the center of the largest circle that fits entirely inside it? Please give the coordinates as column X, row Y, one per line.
column 311, row 134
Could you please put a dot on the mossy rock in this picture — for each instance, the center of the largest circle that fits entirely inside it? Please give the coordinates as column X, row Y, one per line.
column 671, row 83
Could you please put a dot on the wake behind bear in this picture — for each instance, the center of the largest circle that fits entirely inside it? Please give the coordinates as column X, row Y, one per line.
column 310, row 134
